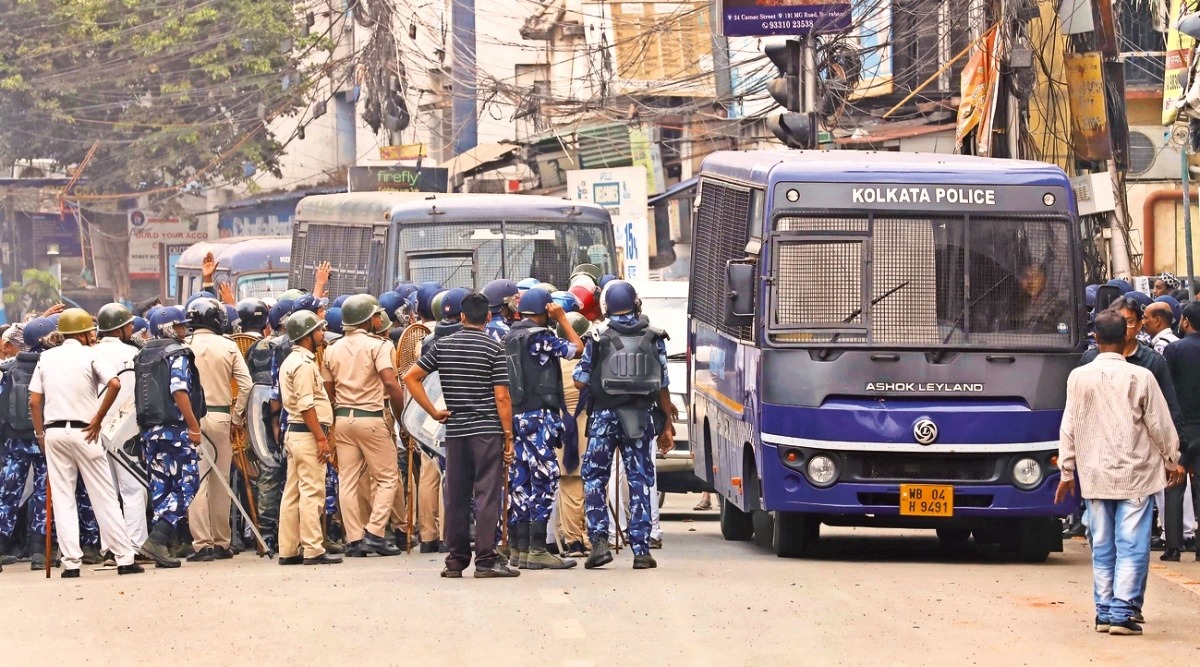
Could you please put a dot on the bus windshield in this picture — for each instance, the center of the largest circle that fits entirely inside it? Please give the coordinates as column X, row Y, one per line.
column 477, row 253
column 995, row 282
column 262, row 285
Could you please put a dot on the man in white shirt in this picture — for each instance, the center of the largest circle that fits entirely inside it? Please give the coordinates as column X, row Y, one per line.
column 1157, row 323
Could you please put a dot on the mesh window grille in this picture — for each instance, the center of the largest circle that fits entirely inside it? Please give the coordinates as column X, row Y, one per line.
column 722, row 230
column 983, row 281
column 341, row 246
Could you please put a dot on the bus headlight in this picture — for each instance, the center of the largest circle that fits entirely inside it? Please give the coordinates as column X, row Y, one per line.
column 1027, row 473
column 822, row 470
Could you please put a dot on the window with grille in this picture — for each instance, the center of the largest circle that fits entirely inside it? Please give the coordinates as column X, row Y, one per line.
column 721, row 233
column 356, row 253
column 930, row 282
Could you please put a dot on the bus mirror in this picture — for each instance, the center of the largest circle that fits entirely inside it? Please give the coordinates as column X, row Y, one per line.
column 739, row 292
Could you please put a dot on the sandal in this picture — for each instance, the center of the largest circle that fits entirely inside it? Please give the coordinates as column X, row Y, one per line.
column 703, row 505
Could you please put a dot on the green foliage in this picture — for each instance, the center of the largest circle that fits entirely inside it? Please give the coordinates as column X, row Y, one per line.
column 168, row 87
column 37, row 291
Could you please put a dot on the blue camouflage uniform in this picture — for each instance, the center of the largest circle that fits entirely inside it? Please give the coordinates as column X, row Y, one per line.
column 533, row 475
column 498, row 327
column 170, row 457
column 605, row 435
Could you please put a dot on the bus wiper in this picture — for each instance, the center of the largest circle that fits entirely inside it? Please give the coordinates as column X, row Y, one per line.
column 858, row 311
column 959, row 321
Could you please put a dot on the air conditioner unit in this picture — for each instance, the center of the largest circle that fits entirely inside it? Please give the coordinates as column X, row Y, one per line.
column 1153, row 156
column 1094, row 193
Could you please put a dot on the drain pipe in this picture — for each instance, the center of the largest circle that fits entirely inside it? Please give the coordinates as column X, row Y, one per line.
column 1173, row 195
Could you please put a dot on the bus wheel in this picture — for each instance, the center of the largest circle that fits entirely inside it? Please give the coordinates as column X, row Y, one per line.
column 764, row 529
column 795, row 535
column 736, row 525
column 953, row 538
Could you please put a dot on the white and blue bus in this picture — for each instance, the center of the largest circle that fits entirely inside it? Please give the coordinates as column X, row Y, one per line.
column 883, row 339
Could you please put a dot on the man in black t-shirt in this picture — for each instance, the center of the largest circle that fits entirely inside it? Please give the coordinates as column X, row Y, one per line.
column 478, row 418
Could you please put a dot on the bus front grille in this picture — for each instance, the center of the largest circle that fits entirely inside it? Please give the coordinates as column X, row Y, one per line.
column 893, row 500
column 892, row 467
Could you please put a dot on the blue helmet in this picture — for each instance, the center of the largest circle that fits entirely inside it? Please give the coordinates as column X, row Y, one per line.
column 452, row 303
column 36, row 331
column 499, row 292
column 233, row 320
column 404, row 289
column 1141, row 298
column 1089, row 295
column 619, row 298
column 425, row 294
column 606, row 279
column 527, row 283
column 197, row 295
column 333, row 320
column 391, row 302
column 140, row 324
column 534, row 301
column 150, row 313
column 1122, row 285
column 162, row 323
column 306, row 302
column 567, row 300
column 337, row 303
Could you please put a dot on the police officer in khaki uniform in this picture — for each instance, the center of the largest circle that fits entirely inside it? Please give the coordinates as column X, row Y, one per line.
column 310, row 415
column 570, row 526
column 359, row 375
column 67, row 416
column 220, row 363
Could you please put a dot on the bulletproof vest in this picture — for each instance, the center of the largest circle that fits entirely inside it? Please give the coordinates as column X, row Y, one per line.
column 626, row 371
column 281, row 347
column 152, row 368
column 258, row 360
column 532, row 385
column 18, row 420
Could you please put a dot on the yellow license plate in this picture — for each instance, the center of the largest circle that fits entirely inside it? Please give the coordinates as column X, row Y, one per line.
column 926, row 500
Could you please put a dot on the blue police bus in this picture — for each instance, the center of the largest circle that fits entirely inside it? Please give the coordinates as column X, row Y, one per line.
column 883, row 339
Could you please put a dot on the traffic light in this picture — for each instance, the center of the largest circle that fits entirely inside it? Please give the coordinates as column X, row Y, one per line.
column 785, row 89
column 795, row 130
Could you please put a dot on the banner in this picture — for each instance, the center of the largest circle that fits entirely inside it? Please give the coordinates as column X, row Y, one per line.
column 622, row 191
column 1089, row 116
column 1177, row 61
column 147, row 233
column 979, row 83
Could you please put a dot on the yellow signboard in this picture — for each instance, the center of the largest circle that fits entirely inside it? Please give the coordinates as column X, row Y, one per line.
column 403, row 152
column 1089, row 117
column 1177, row 61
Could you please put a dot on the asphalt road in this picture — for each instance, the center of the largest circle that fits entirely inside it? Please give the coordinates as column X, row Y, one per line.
column 870, row 597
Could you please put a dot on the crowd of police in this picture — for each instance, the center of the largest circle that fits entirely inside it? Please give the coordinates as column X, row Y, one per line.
column 129, row 438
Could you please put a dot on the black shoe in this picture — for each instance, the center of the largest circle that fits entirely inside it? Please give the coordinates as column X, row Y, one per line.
column 1126, row 628
column 601, row 555
column 1157, row 544
column 1170, row 555
column 205, row 555
column 646, row 562
column 69, row 574
column 291, row 560
column 431, row 547
column 222, row 553
column 377, row 545
column 132, row 568
column 110, row 560
column 1189, row 544
column 1137, row 617
column 158, row 554
column 496, row 571
column 355, row 550
column 1102, row 626
column 324, row 559
column 447, row 573
column 1075, row 530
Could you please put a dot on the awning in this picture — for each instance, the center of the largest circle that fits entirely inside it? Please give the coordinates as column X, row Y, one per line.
column 681, row 190
column 481, row 158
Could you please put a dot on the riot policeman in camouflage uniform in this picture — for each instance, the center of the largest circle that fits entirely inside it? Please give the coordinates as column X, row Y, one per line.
column 263, row 360
column 170, row 423
column 536, row 385
column 502, row 298
column 624, row 368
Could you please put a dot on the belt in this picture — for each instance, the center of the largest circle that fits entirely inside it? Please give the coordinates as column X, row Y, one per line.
column 69, row 423
column 301, row 427
column 223, row 409
column 355, row 412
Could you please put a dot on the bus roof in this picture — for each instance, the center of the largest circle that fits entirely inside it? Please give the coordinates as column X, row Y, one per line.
column 374, row 208
column 240, row 254
column 771, row 167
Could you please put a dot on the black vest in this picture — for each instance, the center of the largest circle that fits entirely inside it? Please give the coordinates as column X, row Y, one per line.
column 281, row 347
column 18, row 420
column 626, row 371
column 259, row 359
column 533, row 386
column 152, row 367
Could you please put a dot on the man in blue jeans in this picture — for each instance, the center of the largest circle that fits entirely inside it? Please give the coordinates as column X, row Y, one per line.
column 1118, row 437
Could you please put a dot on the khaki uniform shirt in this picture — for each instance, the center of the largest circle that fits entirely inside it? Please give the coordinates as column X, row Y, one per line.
column 353, row 365
column 67, row 376
column 301, row 389
column 220, row 362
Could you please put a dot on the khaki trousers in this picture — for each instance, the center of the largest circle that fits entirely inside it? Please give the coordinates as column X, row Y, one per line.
column 570, row 525
column 208, row 515
column 400, row 503
column 429, row 499
column 366, row 458
column 68, row 458
column 303, row 498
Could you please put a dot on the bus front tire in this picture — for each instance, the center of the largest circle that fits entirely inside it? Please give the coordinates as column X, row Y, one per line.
column 736, row 525
column 795, row 535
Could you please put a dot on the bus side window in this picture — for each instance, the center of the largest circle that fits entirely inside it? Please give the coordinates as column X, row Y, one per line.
column 754, row 223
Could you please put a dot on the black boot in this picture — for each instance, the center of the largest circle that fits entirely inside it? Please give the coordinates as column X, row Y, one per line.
column 155, row 547
column 601, row 555
column 539, row 558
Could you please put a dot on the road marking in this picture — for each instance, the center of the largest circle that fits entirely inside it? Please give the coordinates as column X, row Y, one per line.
column 1180, row 579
